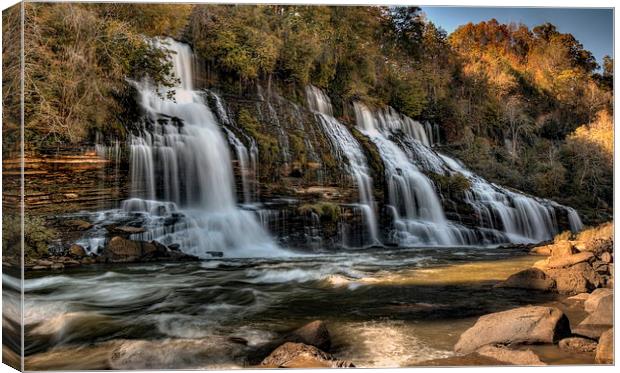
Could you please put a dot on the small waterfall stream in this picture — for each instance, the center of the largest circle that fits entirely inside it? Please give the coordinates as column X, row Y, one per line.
column 350, row 151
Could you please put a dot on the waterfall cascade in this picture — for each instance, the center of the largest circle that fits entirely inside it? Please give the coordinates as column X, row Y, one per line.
column 349, row 151
column 503, row 215
column 181, row 166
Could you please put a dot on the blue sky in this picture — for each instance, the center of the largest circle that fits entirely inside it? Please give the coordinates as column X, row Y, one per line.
column 592, row 27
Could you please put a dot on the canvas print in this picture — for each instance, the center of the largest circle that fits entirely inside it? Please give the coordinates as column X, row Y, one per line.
column 221, row 186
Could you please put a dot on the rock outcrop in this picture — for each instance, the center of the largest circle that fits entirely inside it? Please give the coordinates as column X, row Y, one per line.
column 122, row 250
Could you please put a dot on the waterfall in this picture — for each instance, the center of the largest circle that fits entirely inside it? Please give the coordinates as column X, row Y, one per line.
column 503, row 215
column 416, row 208
column 181, row 171
column 348, row 150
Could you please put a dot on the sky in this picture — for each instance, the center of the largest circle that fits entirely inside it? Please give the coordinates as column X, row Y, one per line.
column 594, row 28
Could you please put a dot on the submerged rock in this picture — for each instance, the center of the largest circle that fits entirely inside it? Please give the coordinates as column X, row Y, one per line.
column 532, row 324
column 509, row 356
column 577, row 344
column 299, row 355
column 531, row 278
column 605, row 349
column 314, row 333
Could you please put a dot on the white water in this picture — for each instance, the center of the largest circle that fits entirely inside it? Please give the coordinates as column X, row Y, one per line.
column 348, row 150
column 503, row 214
column 180, row 165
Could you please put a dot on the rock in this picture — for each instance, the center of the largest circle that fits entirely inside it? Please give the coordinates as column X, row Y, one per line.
column 70, row 263
column 174, row 247
column 39, row 268
column 580, row 246
column 605, row 257
column 541, row 250
column 506, row 355
column 581, row 297
column 299, row 355
column 599, row 320
column 44, row 263
column 122, row 250
column 314, row 334
column 569, row 260
column 531, row 278
column 57, row 266
column 80, row 225
column 600, row 267
column 562, row 248
column 128, row 230
column 216, row 254
column 541, row 264
column 88, row 260
column 577, row 344
column 77, row 251
column 595, row 298
column 532, row 324
column 473, row 359
column 579, row 278
column 605, row 349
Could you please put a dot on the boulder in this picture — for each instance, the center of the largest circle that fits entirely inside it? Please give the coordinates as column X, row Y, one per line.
column 605, row 349
column 299, row 355
column 122, row 250
column 77, row 251
column 509, row 356
column 80, row 225
column 314, row 334
column 532, row 324
column 569, row 260
column 598, row 320
column 577, row 344
column 128, row 230
column 581, row 297
column 579, row 278
column 562, row 248
column 541, row 250
column 595, row 298
column 531, row 278
column 605, row 257
column 57, row 266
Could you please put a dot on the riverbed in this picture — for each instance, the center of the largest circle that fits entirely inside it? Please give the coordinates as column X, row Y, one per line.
column 384, row 308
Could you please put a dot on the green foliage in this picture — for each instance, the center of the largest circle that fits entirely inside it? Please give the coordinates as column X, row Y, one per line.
column 327, row 212
column 452, row 185
column 268, row 147
column 37, row 237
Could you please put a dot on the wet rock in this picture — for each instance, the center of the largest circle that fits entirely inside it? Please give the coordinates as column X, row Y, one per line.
column 88, row 260
column 314, row 334
column 216, row 254
column 44, row 263
column 299, row 355
column 531, row 278
column 127, row 230
column 532, row 324
column 77, row 251
column 569, row 260
column 577, row 344
column 509, row 356
column 80, row 225
column 472, row 359
column 57, row 266
column 579, row 278
column 605, row 349
column 595, row 299
column 122, row 250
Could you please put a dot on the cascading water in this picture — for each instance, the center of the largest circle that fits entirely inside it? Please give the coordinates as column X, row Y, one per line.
column 503, row 215
column 417, row 212
column 349, row 150
column 181, row 170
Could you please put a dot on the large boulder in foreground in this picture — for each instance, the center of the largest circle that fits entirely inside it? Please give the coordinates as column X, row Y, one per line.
column 527, row 325
column 299, row 355
column 509, row 356
column 531, row 278
column 605, row 350
column 314, row 334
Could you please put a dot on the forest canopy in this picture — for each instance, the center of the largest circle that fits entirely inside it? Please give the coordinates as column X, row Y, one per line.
column 529, row 108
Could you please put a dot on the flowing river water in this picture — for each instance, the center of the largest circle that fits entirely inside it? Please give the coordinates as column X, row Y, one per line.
column 383, row 308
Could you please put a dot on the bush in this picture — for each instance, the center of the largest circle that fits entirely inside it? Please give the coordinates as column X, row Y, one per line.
column 37, row 237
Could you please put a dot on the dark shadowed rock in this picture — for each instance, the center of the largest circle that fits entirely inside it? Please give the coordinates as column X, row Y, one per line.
column 314, row 333
column 127, row 230
column 577, row 344
column 605, row 349
column 299, row 355
column 531, row 278
column 532, row 324
column 509, row 356
column 579, row 278
column 122, row 250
